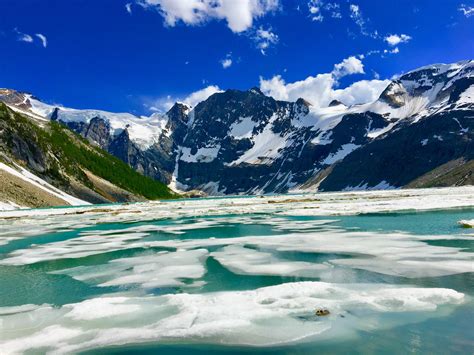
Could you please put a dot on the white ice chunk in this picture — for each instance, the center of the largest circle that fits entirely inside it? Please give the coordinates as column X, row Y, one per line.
column 281, row 314
column 162, row 269
column 245, row 261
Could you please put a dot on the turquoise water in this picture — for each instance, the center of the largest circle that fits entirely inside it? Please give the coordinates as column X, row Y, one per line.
column 172, row 269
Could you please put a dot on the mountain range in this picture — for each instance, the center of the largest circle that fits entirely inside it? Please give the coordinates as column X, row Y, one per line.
column 418, row 133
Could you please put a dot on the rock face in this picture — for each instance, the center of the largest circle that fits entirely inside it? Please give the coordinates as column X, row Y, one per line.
column 238, row 142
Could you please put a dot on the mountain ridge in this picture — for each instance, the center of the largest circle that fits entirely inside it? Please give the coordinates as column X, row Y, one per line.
column 244, row 142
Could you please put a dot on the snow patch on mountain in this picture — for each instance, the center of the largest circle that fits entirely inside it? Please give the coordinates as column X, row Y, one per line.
column 266, row 148
column 36, row 181
column 382, row 185
column 242, row 128
column 202, row 155
column 344, row 151
column 322, row 118
column 441, row 68
column 467, row 97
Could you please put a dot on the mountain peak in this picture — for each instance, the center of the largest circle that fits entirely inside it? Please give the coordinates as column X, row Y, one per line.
column 256, row 90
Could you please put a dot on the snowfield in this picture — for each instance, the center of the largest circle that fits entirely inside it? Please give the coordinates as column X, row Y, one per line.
column 144, row 131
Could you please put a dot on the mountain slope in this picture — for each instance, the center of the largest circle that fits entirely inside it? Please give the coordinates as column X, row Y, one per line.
column 244, row 142
column 410, row 152
column 53, row 155
column 438, row 130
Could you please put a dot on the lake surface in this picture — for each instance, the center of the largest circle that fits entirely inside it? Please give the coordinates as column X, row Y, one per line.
column 215, row 282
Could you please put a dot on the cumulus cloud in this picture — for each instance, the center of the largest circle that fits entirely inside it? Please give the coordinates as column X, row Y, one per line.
column 128, row 7
column 361, row 92
column 265, row 38
column 227, row 61
column 348, row 66
column 394, row 39
column 321, row 89
column 43, row 39
column 467, row 11
column 196, row 97
column 163, row 104
column 316, row 89
column 239, row 15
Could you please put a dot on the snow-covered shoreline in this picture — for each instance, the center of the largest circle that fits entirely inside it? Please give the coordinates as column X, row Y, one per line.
column 311, row 204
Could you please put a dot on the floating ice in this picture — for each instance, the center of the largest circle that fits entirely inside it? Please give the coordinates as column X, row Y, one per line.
column 263, row 317
column 245, row 261
column 73, row 248
column 162, row 269
column 397, row 254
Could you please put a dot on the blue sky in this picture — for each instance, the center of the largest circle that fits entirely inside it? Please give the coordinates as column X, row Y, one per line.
column 139, row 55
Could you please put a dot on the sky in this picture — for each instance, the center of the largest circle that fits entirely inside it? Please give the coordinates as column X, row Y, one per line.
column 140, row 56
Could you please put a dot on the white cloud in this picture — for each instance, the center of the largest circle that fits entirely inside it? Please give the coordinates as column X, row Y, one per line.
column 43, row 39
column 315, row 10
column 361, row 92
column 335, row 9
column 238, row 14
column 265, row 38
column 348, row 66
column 318, row 7
column 394, row 40
column 227, row 61
column 23, row 37
column 316, row 89
column 196, row 97
column 392, row 51
column 467, row 11
column 128, row 7
column 163, row 104
column 358, row 18
column 320, row 90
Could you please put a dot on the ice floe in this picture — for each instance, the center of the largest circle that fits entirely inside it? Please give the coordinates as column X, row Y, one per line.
column 267, row 316
column 396, row 254
column 245, row 261
column 162, row 269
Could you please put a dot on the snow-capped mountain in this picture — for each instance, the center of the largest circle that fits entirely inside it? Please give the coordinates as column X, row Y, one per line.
column 246, row 142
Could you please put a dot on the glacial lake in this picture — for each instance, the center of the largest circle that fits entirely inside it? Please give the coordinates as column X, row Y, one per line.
column 201, row 278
